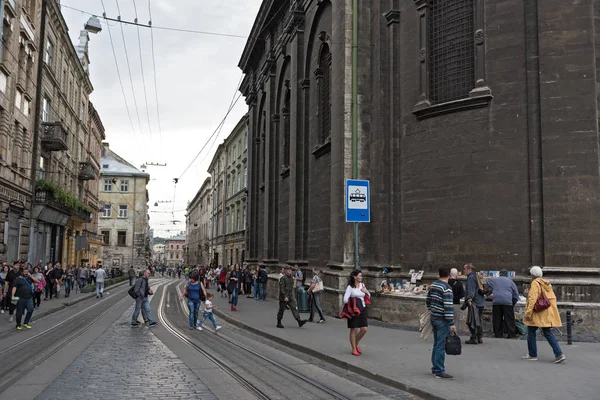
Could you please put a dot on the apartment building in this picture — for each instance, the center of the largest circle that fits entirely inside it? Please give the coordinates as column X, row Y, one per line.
column 198, row 226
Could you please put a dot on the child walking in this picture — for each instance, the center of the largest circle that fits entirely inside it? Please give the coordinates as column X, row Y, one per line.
column 208, row 314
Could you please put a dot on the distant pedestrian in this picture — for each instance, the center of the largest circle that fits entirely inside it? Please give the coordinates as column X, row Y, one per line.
column 263, row 278
column 298, row 280
column 287, row 298
column 234, row 286
column 476, row 300
column 208, row 312
column 3, row 288
column 142, row 290
column 256, row 284
column 9, row 284
column 248, row 279
column 222, row 280
column 68, row 281
column 195, row 292
column 38, row 287
column 100, row 276
column 49, row 275
column 505, row 296
column 458, row 291
column 84, row 275
column 57, row 275
column 314, row 292
column 131, row 274
column 22, row 297
column 546, row 319
column 440, row 304
column 358, row 324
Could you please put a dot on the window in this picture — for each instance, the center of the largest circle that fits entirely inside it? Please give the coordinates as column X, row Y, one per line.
column 3, row 82
column 107, row 211
column 233, row 183
column 239, row 184
column 45, row 110
column 18, row 99
column 177, row 247
column 171, row 247
column 245, row 177
column 105, row 237
column 451, row 57
column 122, row 210
column 124, row 185
column 237, row 221
column 82, row 110
column 324, row 83
column 49, row 53
column 234, row 153
column 171, row 256
column 108, row 185
column 26, row 107
column 122, row 238
column 244, row 217
column 177, row 255
column 286, row 128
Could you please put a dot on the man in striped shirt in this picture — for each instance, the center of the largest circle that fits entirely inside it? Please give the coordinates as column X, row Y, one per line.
column 440, row 303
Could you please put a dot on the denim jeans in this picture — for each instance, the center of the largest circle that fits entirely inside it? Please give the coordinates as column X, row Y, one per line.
column 194, row 306
column 315, row 302
column 441, row 330
column 82, row 282
column 256, row 290
column 208, row 315
column 234, row 297
column 263, row 290
column 99, row 288
column 68, row 283
column 22, row 305
column 532, row 344
column 139, row 303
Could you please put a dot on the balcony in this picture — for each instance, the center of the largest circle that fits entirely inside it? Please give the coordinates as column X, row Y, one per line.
column 93, row 237
column 54, row 136
column 49, row 194
column 87, row 171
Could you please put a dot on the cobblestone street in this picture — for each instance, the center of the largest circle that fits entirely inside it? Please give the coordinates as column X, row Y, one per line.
column 127, row 363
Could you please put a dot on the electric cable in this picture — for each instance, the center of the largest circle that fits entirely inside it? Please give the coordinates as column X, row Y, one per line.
column 154, row 72
column 143, row 76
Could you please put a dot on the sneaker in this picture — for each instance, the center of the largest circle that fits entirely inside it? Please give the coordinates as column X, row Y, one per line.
column 26, row 326
column 219, row 327
column 471, row 341
column 153, row 323
column 191, row 327
column 321, row 321
column 134, row 324
column 2, row 311
column 529, row 358
column 444, row 375
column 560, row 359
column 10, row 319
column 100, row 294
column 199, row 328
column 19, row 328
column 480, row 340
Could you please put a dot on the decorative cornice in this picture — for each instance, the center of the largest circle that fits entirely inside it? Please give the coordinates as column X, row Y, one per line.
column 392, row 17
column 421, row 3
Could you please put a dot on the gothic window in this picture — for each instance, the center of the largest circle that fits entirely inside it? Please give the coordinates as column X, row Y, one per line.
column 324, row 82
column 451, row 50
column 286, row 128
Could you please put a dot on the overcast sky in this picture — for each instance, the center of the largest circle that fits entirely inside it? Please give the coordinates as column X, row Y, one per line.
column 197, row 78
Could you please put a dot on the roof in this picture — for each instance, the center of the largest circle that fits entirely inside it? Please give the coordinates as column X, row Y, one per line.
column 117, row 166
column 176, row 238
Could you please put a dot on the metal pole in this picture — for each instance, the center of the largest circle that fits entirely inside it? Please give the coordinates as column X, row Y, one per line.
column 569, row 327
column 36, row 127
column 355, row 115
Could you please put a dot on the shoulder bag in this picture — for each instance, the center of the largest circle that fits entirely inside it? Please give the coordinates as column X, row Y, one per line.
column 542, row 303
column 318, row 286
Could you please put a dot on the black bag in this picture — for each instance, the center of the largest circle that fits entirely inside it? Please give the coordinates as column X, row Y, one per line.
column 453, row 345
column 132, row 293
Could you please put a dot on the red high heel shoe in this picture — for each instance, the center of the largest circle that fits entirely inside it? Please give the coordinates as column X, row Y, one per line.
column 359, row 350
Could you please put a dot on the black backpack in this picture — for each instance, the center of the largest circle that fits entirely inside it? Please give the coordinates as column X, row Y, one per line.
column 132, row 292
column 262, row 276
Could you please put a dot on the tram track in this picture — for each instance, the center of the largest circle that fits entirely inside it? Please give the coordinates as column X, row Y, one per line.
column 293, row 375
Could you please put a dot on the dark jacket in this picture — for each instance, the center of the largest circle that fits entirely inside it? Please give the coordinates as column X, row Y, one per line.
column 286, row 288
column 457, row 289
column 472, row 292
column 141, row 288
column 131, row 273
column 233, row 284
column 351, row 309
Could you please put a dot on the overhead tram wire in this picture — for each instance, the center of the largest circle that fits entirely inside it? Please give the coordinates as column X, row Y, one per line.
column 118, row 72
column 143, row 76
column 154, row 72
column 129, row 69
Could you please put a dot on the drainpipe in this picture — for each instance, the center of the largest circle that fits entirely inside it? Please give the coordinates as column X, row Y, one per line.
column 355, row 114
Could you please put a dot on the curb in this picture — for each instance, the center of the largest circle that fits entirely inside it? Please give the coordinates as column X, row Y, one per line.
column 70, row 303
column 332, row 360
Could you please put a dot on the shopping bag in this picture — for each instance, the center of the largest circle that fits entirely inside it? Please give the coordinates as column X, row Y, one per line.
column 453, row 345
column 425, row 327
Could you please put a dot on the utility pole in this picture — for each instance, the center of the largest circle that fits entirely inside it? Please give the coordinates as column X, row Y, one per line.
column 36, row 127
column 355, row 115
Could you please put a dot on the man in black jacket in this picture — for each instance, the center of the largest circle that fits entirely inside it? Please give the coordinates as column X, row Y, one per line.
column 142, row 290
column 9, row 283
column 22, row 297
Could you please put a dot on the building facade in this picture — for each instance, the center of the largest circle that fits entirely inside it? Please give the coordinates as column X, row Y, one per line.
column 19, row 56
column 229, row 173
column 198, row 226
column 477, row 127
column 158, row 253
column 123, row 222
column 66, row 202
column 174, row 251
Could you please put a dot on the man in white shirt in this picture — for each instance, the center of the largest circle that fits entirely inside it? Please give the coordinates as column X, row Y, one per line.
column 100, row 275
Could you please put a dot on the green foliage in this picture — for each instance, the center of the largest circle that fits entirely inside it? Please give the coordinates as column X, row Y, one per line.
column 62, row 197
column 107, row 283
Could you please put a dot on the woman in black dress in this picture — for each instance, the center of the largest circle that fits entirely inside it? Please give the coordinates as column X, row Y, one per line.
column 358, row 324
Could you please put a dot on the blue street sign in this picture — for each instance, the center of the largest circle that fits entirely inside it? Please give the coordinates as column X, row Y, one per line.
column 358, row 205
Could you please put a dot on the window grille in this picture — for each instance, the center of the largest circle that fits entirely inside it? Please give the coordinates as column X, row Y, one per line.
column 451, row 49
column 325, row 94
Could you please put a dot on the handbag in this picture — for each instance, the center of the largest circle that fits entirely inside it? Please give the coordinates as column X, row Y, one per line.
column 453, row 345
column 367, row 299
column 542, row 302
column 425, row 327
column 318, row 287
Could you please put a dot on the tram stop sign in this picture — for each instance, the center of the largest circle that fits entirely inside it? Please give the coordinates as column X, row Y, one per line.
column 358, row 205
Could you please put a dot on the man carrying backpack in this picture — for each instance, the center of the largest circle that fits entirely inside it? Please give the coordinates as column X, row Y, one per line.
column 476, row 301
column 22, row 296
column 142, row 290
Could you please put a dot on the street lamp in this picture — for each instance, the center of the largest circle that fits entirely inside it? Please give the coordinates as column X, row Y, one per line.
column 93, row 25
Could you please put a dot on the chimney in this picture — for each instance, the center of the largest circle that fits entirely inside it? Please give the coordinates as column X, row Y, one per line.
column 82, row 49
column 105, row 148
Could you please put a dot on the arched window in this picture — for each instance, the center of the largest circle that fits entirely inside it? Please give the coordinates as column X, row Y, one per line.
column 324, row 82
column 285, row 112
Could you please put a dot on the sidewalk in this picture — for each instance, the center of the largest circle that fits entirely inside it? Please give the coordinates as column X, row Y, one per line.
column 51, row 306
column 490, row 371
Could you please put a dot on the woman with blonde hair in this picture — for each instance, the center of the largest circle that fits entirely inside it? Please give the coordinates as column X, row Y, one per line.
column 541, row 312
